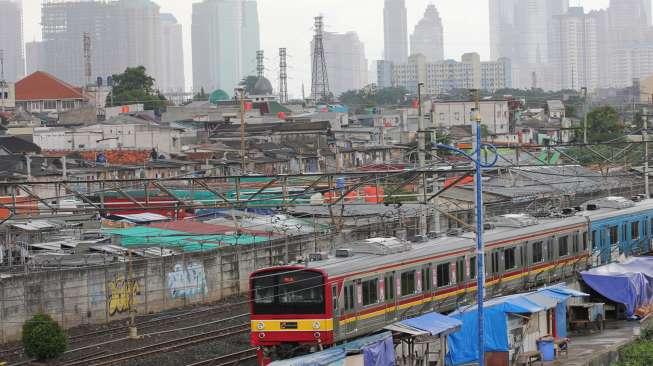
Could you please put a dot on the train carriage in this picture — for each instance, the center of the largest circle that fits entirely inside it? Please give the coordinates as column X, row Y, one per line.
column 363, row 286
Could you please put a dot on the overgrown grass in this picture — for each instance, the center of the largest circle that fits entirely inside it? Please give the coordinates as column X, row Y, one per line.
column 639, row 353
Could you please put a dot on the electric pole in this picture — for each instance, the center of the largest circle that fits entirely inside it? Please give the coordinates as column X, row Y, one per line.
column 585, row 115
column 645, row 139
column 421, row 160
column 243, row 164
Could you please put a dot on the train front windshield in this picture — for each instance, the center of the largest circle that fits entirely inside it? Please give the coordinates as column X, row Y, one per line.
column 288, row 292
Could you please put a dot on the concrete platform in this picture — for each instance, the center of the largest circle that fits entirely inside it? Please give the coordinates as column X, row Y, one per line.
column 599, row 349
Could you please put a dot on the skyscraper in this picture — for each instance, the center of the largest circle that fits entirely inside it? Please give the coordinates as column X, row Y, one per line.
column 11, row 39
column 395, row 31
column 34, row 56
column 427, row 38
column 629, row 19
column 346, row 62
column 172, row 54
column 225, row 40
column 519, row 30
column 123, row 34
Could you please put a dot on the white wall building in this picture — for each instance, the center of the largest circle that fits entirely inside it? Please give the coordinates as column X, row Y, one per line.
column 395, row 31
column 495, row 114
column 7, row 96
column 137, row 135
column 428, row 36
column 11, row 39
column 172, row 55
column 225, row 36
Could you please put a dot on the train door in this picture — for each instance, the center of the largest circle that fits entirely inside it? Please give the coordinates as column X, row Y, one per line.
column 349, row 306
column 389, row 296
column 335, row 306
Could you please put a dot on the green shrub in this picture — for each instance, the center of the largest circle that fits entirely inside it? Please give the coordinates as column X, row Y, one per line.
column 43, row 338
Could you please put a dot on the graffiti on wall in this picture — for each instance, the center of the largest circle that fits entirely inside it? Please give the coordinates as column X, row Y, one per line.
column 187, row 281
column 122, row 294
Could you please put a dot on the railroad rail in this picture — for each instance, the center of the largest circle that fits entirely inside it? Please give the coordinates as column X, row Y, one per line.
column 228, row 360
column 158, row 348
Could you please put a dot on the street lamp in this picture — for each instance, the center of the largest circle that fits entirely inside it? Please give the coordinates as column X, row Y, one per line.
column 475, row 157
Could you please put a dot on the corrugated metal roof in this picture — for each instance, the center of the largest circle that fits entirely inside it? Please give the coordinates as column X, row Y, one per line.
column 142, row 218
column 35, row 226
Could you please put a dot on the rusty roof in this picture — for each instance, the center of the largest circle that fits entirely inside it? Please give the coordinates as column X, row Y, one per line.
column 43, row 86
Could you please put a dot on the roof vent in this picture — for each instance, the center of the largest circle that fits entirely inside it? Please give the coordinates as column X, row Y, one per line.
column 514, row 220
column 343, row 253
column 612, row 202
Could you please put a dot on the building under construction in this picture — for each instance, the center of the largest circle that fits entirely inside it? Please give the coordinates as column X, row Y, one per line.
column 121, row 33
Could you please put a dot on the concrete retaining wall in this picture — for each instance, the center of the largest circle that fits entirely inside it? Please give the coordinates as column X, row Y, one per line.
column 100, row 294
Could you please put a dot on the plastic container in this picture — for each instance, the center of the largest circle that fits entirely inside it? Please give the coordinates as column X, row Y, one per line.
column 545, row 346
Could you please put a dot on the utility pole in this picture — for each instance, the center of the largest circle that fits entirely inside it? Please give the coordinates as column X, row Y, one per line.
column 421, row 160
column 243, row 165
column 480, row 250
column 584, row 89
column 647, row 190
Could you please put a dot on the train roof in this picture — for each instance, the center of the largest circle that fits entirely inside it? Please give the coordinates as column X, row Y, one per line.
column 374, row 253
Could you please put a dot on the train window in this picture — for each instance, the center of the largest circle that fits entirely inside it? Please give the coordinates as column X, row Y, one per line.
column 624, row 230
column 634, row 230
column 295, row 292
column 495, row 262
column 595, row 243
column 574, row 243
column 563, row 246
column 614, row 235
column 472, row 267
column 538, row 252
column 264, row 290
column 444, row 274
column 646, row 228
column 549, row 250
column 584, row 244
column 509, row 259
column 426, row 279
column 334, row 298
column 651, row 226
column 407, row 283
column 460, row 270
column 349, row 297
column 389, row 286
column 370, row 292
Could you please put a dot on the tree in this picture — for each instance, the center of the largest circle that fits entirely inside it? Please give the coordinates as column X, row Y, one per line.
column 603, row 125
column 135, row 86
column 249, row 82
column 364, row 98
column 201, row 95
column 43, row 338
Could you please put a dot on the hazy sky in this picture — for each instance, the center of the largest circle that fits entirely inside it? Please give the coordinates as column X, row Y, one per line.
column 288, row 23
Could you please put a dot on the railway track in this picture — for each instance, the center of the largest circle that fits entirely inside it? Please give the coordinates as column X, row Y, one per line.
column 229, row 360
column 162, row 347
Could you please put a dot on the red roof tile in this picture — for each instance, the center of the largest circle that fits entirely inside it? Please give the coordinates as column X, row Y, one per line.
column 41, row 85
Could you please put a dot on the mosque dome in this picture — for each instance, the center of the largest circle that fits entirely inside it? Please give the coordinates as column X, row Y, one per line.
column 263, row 87
column 218, row 96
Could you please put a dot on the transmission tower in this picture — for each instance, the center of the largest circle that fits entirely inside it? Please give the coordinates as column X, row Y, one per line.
column 283, row 76
column 88, row 70
column 260, row 67
column 320, row 80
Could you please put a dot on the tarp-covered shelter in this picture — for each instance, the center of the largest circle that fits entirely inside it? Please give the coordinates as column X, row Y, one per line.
column 629, row 283
column 463, row 346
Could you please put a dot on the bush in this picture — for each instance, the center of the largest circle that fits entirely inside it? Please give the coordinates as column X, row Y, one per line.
column 43, row 338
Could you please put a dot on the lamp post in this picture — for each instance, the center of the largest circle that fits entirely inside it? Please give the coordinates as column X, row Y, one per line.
column 475, row 157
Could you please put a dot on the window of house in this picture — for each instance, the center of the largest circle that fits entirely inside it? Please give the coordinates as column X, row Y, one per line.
column 614, row 235
column 389, row 286
column 538, row 252
column 563, row 246
column 50, row 104
column 408, row 283
column 68, row 104
column 634, row 230
column 443, row 274
column 370, row 291
column 509, row 259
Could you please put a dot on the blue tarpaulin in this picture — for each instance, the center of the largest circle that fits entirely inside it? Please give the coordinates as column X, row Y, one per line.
column 432, row 323
column 380, row 353
column 463, row 346
column 329, row 357
column 629, row 283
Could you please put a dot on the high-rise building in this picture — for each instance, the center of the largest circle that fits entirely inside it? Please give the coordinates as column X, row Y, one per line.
column 34, row 54
column 225, row 39
column 11, row 39
column 428, row 36
column 444, row 76
column 346, row 62
column 122, row 34
column 628, row 20
column 395, row 31
column 519, row 30
column 384, row 74
column 576, row 48
column 172, row 54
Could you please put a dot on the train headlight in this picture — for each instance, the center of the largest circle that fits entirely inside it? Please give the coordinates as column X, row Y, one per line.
column 260, row 325
column 261, row 335
column 316, row 325
column 317, row 335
